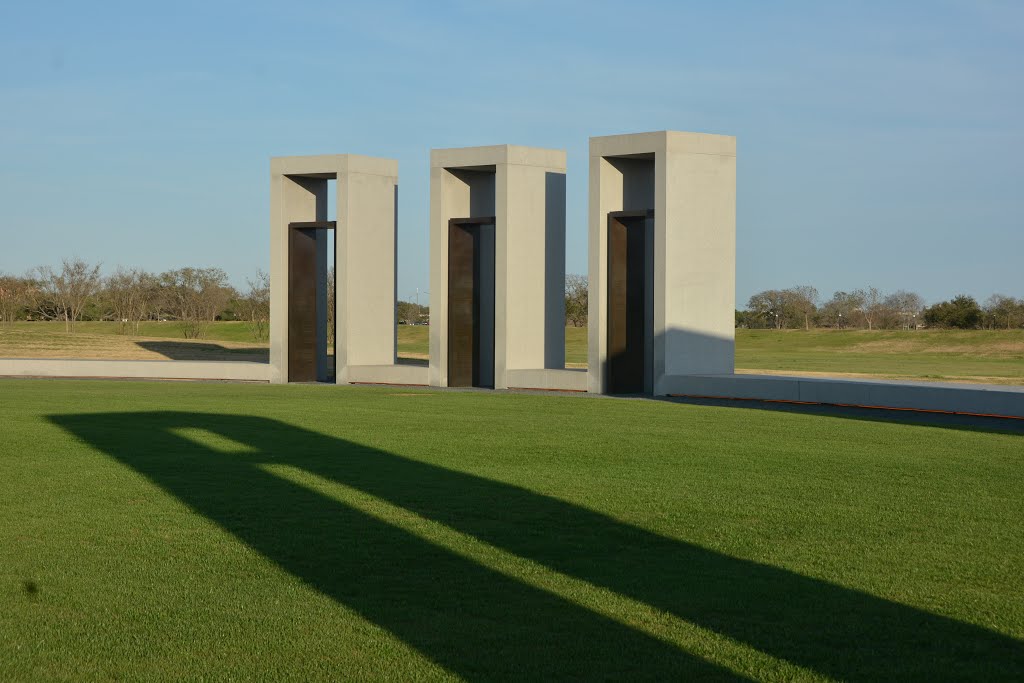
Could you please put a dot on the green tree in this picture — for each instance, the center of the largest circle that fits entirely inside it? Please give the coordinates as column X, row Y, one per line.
column 196, row 296
column 961, row 312
column 1003, row 311
column 577, row 300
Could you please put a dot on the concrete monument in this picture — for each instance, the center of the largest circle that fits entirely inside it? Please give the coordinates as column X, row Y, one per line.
column 365, row 262
column 662, row 259
column 497, row 265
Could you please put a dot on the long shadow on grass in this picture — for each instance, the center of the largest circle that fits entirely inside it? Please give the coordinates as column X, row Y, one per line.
column 481, row 624
column 190, row 350
column 468, row 618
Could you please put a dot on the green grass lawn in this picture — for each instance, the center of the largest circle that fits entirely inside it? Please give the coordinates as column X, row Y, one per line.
column 203, row 531
column 233, row 331
column 225, row 341
column 973, row 355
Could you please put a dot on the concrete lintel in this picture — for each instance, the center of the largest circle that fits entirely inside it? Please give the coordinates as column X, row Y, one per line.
column 677, row 142
column 494, row 155
column 332, row 165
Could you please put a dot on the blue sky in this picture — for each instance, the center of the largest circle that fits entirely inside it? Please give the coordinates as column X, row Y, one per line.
column 878, row 143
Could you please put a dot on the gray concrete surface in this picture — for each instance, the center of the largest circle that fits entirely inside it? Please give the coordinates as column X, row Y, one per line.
column 548, row 379
column 978, row 399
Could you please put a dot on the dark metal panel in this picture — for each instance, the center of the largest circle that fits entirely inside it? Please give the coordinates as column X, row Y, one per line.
column 462, row 318
column 628, row 333
column 301, row 305
column 320, row 225
column 475, row 220
column 641, row 213
column 470, row 318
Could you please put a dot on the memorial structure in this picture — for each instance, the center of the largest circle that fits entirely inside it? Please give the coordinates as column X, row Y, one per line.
column 662, row 270
column 365, row 262
column 662, row 262
column 497, row 268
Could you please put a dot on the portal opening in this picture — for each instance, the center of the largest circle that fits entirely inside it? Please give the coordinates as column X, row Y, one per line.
column 630, row 302
column 471, row 243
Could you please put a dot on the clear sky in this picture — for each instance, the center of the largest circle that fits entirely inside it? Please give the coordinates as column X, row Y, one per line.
column 879, row 143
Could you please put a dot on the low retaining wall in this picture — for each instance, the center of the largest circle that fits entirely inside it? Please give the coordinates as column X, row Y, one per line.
column 416, row 375
column 550, row 379
column 136, row 369
column 975, row 399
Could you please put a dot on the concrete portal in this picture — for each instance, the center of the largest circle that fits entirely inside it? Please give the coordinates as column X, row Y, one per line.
column 508, row 201
column 662, row 259
column 365, row 257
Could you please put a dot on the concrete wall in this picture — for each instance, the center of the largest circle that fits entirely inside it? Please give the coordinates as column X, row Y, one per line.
column 976, row 399
column 524, row 188
column 689, row 180
column 365, row 253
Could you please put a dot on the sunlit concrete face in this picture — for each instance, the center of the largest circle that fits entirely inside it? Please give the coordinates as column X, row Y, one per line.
column 523, row 190
column 680, row 188
column 365, row 260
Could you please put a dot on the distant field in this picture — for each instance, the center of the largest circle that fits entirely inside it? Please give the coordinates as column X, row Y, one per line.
column 158, row 341
column 993, row 357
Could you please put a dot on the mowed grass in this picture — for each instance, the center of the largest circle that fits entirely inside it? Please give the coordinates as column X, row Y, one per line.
column 986, row 356
column 224, row 341
column 980, row 356
column 201, row 531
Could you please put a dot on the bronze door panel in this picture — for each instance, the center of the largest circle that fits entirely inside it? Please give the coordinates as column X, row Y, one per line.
column 301, row 305
column 463, row 323
column 627, row 327
column 471, row 302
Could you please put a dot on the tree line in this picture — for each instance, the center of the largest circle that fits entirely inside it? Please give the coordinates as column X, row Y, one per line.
column 191, row 297
column 868, row 308
column 195, row 297
column 871, row 309
column 77, row 291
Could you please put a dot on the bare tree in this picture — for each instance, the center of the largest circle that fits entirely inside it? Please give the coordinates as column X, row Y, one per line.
column 903, row 307
column 576, row 300
column 196, row 296
column 131, row 295
column 871, row 308
column 65, row 293
column 771, row 306
column 14, row 297
column 330, row 305
column 803, row 300
column 838, row 311
column 1000, row 309
column 255, row 306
